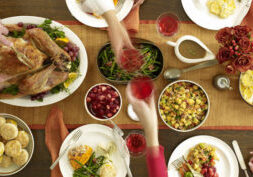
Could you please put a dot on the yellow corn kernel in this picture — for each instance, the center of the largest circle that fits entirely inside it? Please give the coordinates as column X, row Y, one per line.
column 81, row 154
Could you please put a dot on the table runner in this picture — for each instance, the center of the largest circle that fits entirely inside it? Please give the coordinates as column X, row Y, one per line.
column 228, row 111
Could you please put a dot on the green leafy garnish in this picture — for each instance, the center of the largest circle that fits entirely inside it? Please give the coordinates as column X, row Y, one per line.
column 13, row 90
column 52, row 32
column 75, row 65
column 17, row 34
column 58, row 89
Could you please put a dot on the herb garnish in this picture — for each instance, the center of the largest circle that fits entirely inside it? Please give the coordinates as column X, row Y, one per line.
column 13, row 90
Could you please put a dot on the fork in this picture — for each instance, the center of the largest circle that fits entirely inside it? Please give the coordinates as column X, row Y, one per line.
column 180, row 161
column 22, row 57
column 72, row 141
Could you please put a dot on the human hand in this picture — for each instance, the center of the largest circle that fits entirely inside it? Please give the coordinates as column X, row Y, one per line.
column 4, row 31
column 118, row 35
column 137, row 3
column 146, row 112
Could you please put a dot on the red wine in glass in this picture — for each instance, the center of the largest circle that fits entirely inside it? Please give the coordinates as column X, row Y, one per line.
column 131, row 60
column 167, row 24
column 142, row 87
column 136, row 143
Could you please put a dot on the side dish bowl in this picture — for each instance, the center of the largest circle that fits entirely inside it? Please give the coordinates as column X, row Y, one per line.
column 187, row 108
column 103, row 102
column 152, row 67
column 240, row 90
column 13, row 169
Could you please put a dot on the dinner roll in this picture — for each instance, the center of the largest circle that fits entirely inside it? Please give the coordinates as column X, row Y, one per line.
column 6, row 161
column 108, row 170
column 13, row 148
column 23, row 138
column 22, row 158
column 2, row 121
column 9, row 131
column 1, row 148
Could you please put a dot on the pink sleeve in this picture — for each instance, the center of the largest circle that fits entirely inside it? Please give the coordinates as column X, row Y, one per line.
column 156, row 162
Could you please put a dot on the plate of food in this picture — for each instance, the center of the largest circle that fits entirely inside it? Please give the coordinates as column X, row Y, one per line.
column 16, row 144
column 95, row 153
column 152, row 67
column 122, row 7
column 246, row 86
column 184, row 105
column 207, row 155
column 216, row 14
column 53, row 66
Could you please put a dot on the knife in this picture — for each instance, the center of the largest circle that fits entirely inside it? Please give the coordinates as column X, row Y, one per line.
column 240, row 157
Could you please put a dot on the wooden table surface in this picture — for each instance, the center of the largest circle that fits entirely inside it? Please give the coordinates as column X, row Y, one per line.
column 150, row 10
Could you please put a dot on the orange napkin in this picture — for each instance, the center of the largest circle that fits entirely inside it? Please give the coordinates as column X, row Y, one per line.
column 132, row 20
column 248, row 20
column 55, row 133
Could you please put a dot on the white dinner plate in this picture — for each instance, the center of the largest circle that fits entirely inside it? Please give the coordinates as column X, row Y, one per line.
column 227, row 166
column 93, row 135
column 51, row 98
column 198, row 12
column 74, row 7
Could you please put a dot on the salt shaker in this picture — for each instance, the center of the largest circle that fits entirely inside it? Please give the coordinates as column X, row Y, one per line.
column 222, row 82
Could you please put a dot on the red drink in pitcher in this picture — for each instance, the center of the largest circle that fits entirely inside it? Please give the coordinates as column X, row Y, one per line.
column 142, row 87
column 167, row 24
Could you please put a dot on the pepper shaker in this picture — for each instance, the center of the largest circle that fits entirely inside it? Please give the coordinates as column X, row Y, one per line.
column 222, row 82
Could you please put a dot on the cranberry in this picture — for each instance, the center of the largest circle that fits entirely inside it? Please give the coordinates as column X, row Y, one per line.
column 88, row 99
column 20, row 24
column 102, row 102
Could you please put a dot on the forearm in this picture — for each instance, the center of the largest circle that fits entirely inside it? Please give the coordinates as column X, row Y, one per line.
column 151, row 137
column 156, row 162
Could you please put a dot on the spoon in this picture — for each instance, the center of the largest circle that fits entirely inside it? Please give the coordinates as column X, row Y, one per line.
column 175, row 73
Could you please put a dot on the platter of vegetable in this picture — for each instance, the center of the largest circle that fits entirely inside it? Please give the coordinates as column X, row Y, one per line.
column 152, row 67
column 93, row 135
column 67, row 40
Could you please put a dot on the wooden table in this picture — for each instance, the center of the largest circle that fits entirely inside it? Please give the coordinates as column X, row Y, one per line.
column 150, row 10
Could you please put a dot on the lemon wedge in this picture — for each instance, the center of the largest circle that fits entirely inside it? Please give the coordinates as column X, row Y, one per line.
column 66, row 40
column 70, row 80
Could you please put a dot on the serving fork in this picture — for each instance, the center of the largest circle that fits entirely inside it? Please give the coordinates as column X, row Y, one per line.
column 180, row 161
column 72, row 141
column 121, row 144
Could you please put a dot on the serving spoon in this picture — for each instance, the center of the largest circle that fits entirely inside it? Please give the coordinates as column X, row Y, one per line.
column 175, row 73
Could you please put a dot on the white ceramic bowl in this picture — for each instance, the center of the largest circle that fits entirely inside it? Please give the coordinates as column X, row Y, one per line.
column 208, row 101
column 86, row 107
column 13, row 169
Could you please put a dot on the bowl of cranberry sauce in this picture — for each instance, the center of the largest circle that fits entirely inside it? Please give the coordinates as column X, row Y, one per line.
column 103, row 102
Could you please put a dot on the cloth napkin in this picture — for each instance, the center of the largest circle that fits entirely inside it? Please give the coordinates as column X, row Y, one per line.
column 248, row 20
column 55, row 133
column 132, row 21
